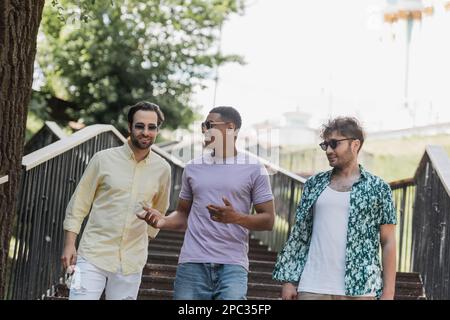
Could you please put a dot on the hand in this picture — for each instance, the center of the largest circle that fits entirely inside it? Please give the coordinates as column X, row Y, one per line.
column 153, row 217
column 69, row 256
column 288, row 292
column 387, row 296
column 224, row 214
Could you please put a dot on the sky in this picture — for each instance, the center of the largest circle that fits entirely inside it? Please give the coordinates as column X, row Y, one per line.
column 330, row 58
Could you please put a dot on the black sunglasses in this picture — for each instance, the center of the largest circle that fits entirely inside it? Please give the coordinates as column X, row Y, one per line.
column 209, row 124
column 333, row 143
column 141, row 127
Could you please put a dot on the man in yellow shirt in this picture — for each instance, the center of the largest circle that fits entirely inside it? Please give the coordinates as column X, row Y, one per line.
column 113, row 248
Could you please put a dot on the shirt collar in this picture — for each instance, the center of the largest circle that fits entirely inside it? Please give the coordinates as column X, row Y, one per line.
column 364, row 173
column 130, row 154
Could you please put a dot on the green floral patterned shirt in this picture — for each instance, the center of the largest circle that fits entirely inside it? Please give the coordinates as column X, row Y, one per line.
column 371, row 205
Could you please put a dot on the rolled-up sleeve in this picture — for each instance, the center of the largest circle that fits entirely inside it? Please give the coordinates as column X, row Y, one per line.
column 161, row 200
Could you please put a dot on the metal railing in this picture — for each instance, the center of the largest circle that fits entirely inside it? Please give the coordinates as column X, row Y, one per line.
column 49, row 178
column 431, row 223
column 48, row 134
column 287, row 190
column 403, row 193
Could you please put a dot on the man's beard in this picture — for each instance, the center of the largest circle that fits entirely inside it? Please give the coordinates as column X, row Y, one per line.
column 342, row 161
column 138, row 145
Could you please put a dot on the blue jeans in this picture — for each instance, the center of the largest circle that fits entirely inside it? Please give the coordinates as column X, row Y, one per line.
column 210, row 281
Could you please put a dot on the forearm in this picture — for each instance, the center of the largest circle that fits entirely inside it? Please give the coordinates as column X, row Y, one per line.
column 389, row 268
column 176, row 221
column 262, row 221
column 70, row 238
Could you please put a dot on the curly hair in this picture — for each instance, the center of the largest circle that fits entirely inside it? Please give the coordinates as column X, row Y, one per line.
column 348, row 127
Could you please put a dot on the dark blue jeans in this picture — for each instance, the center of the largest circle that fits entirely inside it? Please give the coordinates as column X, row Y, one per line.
column 210, row 281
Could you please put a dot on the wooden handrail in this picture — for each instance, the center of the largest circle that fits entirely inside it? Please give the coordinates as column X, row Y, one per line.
column 402, row 183
column 168, row 156
column 441, row 164
column 40, row 156
column 66, row 143
column 276, row 168
column 56, row 130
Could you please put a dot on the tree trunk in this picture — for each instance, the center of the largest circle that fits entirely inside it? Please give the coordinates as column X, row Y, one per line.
column 19, row 24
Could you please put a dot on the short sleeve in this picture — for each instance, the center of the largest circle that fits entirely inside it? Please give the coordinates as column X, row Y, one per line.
column 388, row 214
column 186, row 190
column 262, row 191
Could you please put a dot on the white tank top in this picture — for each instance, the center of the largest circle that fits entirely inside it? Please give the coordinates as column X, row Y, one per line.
column 324, row 270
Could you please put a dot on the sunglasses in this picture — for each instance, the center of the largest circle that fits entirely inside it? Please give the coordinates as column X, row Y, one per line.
column 141, row 127
column 210, row 124
column 333, row 143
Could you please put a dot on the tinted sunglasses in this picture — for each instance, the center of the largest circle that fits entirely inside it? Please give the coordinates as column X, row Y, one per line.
column 333, row 143
column 141, row 127
column 210, row 124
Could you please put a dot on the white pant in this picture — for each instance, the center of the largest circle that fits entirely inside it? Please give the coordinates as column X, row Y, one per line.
column 92, row 282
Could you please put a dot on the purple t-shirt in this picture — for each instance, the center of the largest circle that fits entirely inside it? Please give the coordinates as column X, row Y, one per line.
column 244, row 182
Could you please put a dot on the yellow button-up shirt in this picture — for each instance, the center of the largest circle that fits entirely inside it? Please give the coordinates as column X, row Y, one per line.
column 111, row 191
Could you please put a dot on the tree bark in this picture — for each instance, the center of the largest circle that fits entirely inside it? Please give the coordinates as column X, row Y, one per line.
column 19, row 24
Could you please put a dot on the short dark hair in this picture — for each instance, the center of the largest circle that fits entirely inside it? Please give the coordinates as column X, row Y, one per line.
column 146, row 106
column 348, row 127
column 229, row 114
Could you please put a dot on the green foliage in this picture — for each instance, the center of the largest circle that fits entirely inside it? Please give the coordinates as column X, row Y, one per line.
column 34, row 124
column 102, row 56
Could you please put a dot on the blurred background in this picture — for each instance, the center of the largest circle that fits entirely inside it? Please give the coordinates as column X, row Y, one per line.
column 286, row 65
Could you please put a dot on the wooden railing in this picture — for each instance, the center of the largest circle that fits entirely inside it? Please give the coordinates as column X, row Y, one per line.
column 287, row 189
column 403, row 193
column 431, row 223
column 49, row 177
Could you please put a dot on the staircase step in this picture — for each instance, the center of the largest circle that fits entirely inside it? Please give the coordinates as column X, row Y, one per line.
column 160, row 287
column 170, row 271
column 409, row 288
column 408, row 277
column 155, row 294
column 159, row 273
column 405, row 297
column 172, row 259
column 254, row 289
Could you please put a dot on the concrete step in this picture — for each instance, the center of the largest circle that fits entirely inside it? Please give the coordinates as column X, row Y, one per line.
column 404, row 297
column 158, row 285
column 159, row 273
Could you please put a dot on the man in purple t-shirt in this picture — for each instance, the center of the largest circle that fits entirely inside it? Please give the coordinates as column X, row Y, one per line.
column 216, row 198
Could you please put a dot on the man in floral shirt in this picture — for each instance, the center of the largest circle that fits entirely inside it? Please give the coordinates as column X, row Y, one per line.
column 344, row 215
